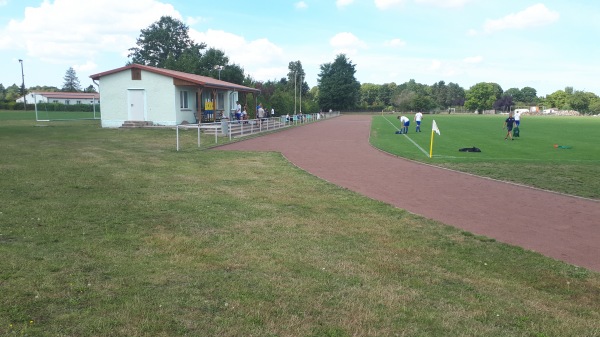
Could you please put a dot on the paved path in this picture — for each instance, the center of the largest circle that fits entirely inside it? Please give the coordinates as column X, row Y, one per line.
column 338, row 150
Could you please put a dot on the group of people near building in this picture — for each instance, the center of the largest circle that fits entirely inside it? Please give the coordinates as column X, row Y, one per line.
column 241, row 114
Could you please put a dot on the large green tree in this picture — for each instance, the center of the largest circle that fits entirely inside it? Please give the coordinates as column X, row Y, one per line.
column 515, row 93
column 580, row 101
column 369, row 93
column 594, row 107
column 482, row 96
column 439, row 92
column 529, row 95
column 166, row 42
column 413, row 96
column 296, row 78
column 558, row 99
column 12, row 92
column 215, row 63
column 456, row 95
column 338, row 87
column 71, row 83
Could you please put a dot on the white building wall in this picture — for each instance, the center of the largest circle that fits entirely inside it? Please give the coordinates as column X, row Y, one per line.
column 159, row 98
column 162, row 104
column 185, row 114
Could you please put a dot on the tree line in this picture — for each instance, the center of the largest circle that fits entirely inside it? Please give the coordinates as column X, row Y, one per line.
column 8, row 95
column 166, row 44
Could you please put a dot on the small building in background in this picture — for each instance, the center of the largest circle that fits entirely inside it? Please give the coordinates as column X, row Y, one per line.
column 61, row 97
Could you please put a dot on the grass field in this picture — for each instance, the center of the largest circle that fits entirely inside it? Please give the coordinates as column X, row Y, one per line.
column 530, row 159
column 30, row 115
column 114, row 233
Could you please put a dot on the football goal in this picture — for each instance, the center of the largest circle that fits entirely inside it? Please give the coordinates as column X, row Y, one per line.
column 46, row 112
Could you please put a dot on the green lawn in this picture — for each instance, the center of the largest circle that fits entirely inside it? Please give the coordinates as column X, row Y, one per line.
column 114, row 233
column 530, row 159
column 30, row 115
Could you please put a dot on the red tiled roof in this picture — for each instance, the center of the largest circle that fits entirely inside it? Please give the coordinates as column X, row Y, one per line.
column 67, row 95
column 205, row 81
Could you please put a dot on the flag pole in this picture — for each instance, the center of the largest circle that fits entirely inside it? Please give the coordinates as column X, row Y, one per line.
column 434, row 128
column 431, row 145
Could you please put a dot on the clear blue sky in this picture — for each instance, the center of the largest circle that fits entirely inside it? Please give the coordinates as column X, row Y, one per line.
column 547, row 45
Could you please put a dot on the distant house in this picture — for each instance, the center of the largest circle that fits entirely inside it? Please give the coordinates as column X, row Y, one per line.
column 68, row 98
column 164, row 97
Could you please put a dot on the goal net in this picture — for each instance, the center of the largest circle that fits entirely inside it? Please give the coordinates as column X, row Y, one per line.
column 46, row 112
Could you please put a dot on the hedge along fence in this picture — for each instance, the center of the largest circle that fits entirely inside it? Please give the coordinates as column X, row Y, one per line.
column 51, row 107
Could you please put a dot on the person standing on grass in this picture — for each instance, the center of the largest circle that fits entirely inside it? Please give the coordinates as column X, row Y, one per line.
column 518, row 118
column 508, row 124
column 404, row 123
column 418, row 118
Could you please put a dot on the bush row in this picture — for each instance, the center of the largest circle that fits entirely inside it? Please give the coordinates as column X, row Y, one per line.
column 50, row 107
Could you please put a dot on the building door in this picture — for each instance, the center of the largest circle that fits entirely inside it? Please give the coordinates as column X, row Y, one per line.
column 137, row 107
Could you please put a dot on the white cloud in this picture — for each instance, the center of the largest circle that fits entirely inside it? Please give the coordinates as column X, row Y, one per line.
column 394, row 43
column 301, row 5
column 86, row 67
column 261, row 58
column 75, row 32
column 346, row 43
column 3, row 3
column 473, row 59
column 343, row 3
column 533, row 16
column 435, row 65
column 444, row 3
column 190, row 21
column 385, row 4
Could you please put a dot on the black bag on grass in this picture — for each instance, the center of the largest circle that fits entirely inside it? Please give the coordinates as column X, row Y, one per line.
column 470, row 149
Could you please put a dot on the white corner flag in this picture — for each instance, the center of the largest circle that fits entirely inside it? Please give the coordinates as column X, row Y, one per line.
column 434, row 128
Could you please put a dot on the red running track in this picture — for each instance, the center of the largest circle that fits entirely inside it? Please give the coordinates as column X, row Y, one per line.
column 337, row 150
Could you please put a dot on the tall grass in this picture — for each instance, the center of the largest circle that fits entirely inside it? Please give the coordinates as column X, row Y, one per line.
column 114, row 233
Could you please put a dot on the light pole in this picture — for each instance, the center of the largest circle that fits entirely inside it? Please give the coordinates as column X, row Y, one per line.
column 23, row 86
column 219, row 68
column 301, row 78
column 295, row 73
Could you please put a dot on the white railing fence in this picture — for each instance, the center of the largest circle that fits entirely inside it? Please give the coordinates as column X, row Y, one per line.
column 228, row 130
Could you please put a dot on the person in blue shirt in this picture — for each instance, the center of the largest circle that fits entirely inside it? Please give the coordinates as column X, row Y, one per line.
column 508, row 124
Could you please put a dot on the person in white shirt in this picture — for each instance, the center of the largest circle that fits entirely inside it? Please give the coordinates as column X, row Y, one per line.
column 418, row 118
column 518, row 117
column 404, row 124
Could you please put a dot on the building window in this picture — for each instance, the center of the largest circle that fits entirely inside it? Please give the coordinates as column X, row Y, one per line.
column 136, row 74
column 220, row 101
column 183, row 99
column 234, row 99
column 78, row 102
column 67, row 102
column 54, row 101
